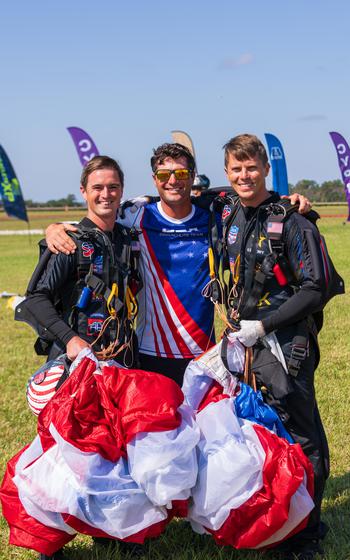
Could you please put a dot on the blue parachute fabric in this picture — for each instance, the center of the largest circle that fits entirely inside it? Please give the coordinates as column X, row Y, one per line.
column 249, row 405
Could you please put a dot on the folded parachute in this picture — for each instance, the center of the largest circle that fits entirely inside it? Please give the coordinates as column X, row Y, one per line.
column 119, row 453
column 253, row 488
column 115, row 456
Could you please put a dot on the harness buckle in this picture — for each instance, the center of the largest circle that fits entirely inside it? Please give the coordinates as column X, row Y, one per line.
column 95, row 284
column 298, row 354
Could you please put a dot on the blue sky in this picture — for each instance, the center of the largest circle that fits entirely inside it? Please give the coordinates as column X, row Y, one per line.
column 130, row 72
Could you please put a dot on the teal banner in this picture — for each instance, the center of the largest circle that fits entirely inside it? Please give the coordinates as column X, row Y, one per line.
column 10, row 189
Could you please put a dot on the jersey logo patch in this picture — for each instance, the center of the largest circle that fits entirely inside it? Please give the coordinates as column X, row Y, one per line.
column 232, row 235
column 87, row 248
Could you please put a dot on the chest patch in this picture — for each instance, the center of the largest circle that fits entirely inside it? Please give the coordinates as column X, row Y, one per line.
column 226, row 211
column 232, row 235
column 87, row 248
column 98, row 265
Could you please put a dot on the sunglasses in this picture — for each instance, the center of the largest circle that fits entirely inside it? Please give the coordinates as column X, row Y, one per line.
column 163, row 175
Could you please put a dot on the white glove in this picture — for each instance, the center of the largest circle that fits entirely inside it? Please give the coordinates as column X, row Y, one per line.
column 249, row 333
column 134, row 204
column 138, row 202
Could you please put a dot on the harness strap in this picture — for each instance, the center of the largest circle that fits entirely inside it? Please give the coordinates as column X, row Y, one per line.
column 256, row 292
column 98, row 286
column 113, row 294
column 227, row 222
column 214, row 255
column 274, row 264
column 300, row 345
column 131, row 304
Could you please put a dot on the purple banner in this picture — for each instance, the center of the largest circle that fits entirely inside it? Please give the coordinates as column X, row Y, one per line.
column 85, row 146
column 343, row 152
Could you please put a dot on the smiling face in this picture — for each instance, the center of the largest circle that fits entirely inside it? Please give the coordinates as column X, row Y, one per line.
column 102, row 193
column 175, row 194
column 247, row 178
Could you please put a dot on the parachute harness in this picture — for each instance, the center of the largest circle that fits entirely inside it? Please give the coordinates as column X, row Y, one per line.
column 121, row 326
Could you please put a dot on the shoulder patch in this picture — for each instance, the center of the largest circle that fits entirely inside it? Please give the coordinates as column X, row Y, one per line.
column 87, row 248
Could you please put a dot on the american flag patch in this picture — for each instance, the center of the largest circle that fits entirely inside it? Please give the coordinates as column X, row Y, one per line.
column 275, row 227
column 41, row 386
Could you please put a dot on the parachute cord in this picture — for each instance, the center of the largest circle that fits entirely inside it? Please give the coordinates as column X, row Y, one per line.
column 111, row 351
column 104, row 326
column 207, row 290
column 221, row 308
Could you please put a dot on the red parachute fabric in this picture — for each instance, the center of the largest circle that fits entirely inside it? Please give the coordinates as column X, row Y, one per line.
column 214, row 394
column 102, row 413
column 97, row 413
column 25, row 531
column 267, row 510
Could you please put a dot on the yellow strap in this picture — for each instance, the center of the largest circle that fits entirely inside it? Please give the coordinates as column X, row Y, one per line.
column 131, row 303
column 264, row 300
column 114, row 293
column 235, row 269
column 211, row 263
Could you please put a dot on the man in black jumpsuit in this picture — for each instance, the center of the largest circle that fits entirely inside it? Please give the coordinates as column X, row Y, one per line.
column 283, row 308
column 83, row 310
column 70, row 309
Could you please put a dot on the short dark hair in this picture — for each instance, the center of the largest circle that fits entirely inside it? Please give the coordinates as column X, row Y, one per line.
column 173, row 151
column 245, row 146
column 100, row 162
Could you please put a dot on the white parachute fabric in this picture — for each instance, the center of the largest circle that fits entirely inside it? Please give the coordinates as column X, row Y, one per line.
column 119, row 453
column 77, row 475
column 158, row 461
column 237, row 497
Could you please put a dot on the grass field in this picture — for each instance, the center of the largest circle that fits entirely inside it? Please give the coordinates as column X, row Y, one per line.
column 41, row 219
column 18, row 256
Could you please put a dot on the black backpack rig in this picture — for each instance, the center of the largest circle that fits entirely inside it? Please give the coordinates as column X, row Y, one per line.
column 276, row 262
column 220, row 288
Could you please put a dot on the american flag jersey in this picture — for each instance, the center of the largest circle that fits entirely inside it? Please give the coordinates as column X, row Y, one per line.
column 175, row 320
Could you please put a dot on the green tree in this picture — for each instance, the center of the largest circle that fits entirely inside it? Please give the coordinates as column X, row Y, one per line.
column 332, row 191
column 309, row 188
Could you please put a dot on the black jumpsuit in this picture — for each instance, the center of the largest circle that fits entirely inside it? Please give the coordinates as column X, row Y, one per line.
column 286, row 310
column 58, row 283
